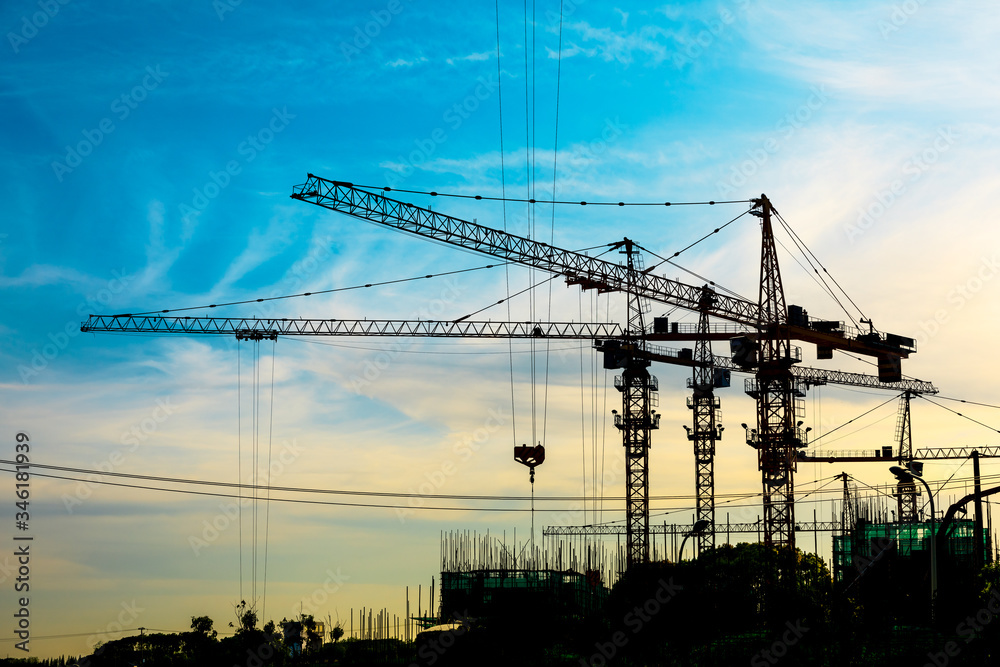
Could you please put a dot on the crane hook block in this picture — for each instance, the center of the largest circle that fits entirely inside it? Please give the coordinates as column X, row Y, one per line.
column 530, row 456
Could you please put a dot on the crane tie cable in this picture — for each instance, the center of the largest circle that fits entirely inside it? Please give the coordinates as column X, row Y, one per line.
column 328, row 291
column 944, row 407
column 433, row 193
column 853, row 420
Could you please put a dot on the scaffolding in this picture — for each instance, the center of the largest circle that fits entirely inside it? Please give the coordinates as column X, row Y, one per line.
column 483, row 577
column 861, row 546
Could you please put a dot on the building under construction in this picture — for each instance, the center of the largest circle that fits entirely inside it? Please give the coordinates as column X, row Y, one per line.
column 886, row 564
column 484, row 577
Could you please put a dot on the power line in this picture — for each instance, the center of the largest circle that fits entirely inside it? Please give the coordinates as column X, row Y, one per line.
column 289, row 489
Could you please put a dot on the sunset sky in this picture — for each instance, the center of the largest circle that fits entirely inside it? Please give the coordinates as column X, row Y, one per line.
column 147, row 164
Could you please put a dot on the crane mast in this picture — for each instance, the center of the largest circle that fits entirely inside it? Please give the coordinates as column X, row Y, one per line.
column 777, row 437
column 906, row 492
column 706, row 430
column 638, row 390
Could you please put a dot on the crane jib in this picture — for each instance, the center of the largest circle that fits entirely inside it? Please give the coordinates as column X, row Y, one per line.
column 583, row 270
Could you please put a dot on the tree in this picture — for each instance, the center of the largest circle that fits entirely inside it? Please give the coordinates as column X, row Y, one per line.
column 313, row 638
column 203, row 625
column 246, row 617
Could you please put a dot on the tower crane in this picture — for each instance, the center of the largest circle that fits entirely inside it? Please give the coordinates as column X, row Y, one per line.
column 766, row 352
column 606, row 338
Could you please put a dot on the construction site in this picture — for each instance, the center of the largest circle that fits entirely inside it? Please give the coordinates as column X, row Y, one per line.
column 889, row 541
column 554, row 333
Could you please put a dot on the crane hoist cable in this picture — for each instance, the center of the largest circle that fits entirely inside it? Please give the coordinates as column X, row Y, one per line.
column 583, row 416
column 267, row 504
column 503, row 191
column 256, row 425
column 552, row 222
column 239, row 450
column 529, row 172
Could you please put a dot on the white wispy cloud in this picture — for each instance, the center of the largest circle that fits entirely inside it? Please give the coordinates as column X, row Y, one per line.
column 404, row 62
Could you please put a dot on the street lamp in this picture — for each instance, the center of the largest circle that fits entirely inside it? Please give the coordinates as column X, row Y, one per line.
column 698, row 528
column 907, row 477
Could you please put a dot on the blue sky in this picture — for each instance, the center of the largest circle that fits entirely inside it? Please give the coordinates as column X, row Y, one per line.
column 149, row 155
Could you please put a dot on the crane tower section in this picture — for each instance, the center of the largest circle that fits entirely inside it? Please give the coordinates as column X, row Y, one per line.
column 706, row 429
column 777, row 438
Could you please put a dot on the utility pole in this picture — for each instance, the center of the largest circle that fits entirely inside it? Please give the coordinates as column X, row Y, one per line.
column 978, row 531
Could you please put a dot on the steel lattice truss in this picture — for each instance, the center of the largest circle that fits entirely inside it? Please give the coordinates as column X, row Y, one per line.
column 776, row 377
column 775, row 439
column 638, row 397
column 681, row 529
column 596, row 331
column 576, row 267
column 906, row 492
column 706, row 429
column 268, row 328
